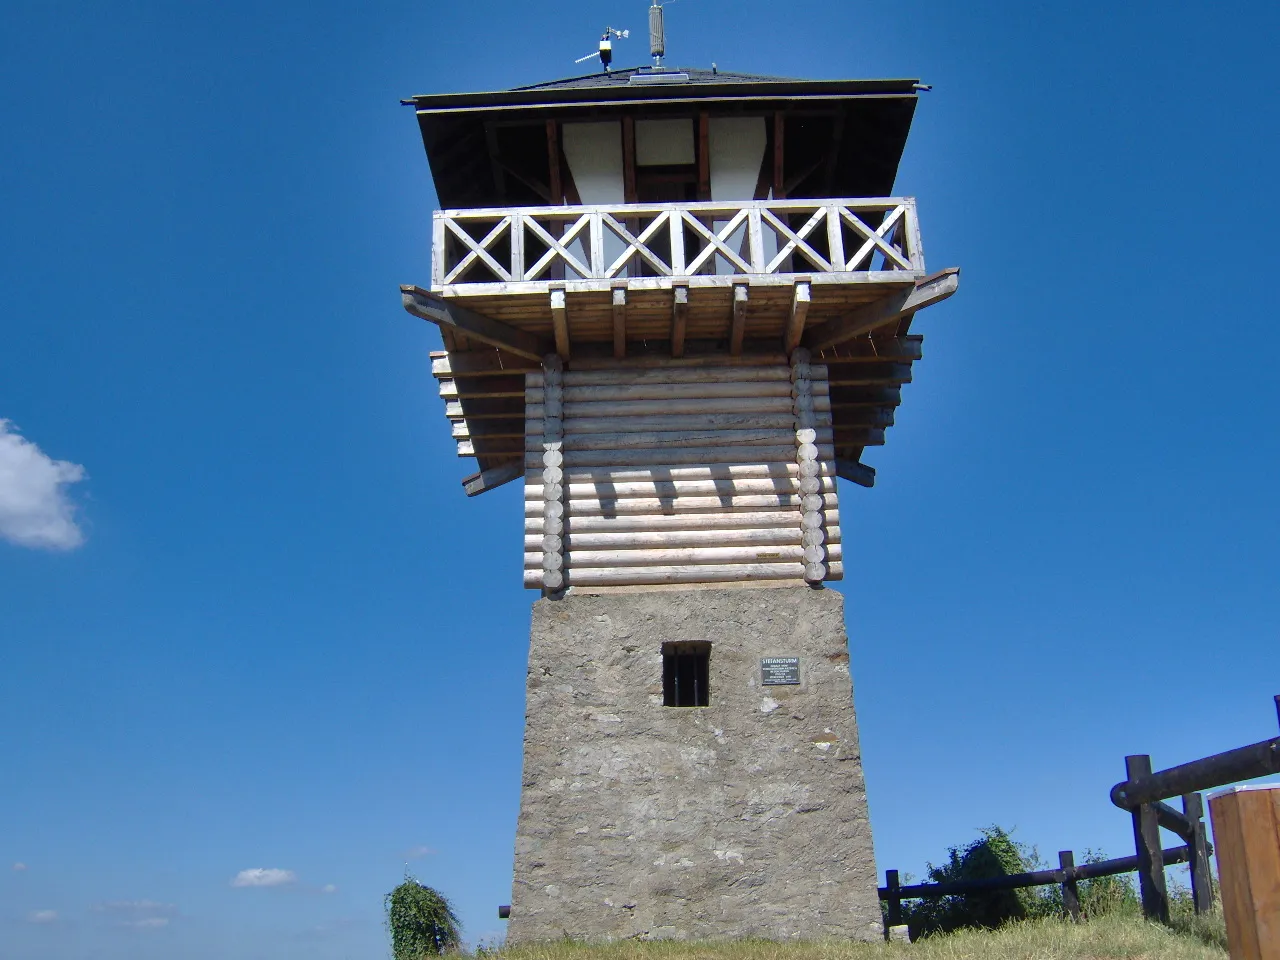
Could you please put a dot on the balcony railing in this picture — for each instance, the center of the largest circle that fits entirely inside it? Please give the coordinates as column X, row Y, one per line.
column 524, row 249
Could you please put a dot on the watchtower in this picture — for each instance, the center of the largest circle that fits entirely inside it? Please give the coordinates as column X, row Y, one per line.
column 676, row 303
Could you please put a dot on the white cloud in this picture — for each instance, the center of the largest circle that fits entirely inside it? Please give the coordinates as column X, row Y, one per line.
column 43, row 916
column 417, row 853
column 19, row 867
column 146, row 923
column 329, row 888
column 137, row 907
column 263, row 877
column 138, row 914
column 34, row 508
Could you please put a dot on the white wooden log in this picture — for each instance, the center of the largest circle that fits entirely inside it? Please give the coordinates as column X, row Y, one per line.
column 708, row 574
column 684, row 488
column 646, row 408
column 697, row 573
column 640, row 556
column 678, row 391
column 696, row 374
column 680, row 439
column 657, row 522
column 640, row 540
column 710, row 471
column 781, row 388
column 721, row 421
column 677, row 458
column 673, row 505
column 657, row 361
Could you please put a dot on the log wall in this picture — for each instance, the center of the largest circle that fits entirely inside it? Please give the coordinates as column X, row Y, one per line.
column 636, row 475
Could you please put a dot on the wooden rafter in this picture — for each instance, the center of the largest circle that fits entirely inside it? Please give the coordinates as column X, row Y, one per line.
column 560, row 323
column 800, row 299
column 679, row 320
column 619, row 307
column 738, row 326
column 426, row 305
column 887, row 310
column 486, row 480
column 859, row 473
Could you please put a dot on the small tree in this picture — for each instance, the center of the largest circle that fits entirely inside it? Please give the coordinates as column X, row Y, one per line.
column 994, row 854
column 421, row 921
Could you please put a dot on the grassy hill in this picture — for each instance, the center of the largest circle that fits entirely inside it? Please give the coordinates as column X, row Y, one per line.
column 1048, row 939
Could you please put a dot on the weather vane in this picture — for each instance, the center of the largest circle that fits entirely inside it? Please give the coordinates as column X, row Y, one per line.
column 605, row 53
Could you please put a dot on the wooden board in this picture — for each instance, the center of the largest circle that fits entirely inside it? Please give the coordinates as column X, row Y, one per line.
column 1246, row 837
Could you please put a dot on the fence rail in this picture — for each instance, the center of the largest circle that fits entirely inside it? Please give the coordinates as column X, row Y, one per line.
column 1068, row 874
column 1141, row 794
column 521, row 249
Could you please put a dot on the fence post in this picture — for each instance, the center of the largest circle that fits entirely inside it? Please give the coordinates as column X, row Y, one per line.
column 1146, row 838
column 1070, row 888
column 1201, row 878
column 893, row 917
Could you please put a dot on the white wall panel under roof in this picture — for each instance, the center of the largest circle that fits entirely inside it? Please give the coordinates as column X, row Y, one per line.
column 737, row 150
column 663, row 142
column 594, row 153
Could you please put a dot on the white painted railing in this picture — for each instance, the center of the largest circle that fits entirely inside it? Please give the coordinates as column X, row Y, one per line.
column 522, row 249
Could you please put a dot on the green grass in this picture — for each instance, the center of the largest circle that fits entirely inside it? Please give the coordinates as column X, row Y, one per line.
column 1117, row 935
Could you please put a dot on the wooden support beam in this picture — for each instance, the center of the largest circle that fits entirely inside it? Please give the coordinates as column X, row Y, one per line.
column 887, row 310
column 619, row 323
column 478, row 363
column 859, row 473
column 704, row 156
column 779, row 182
column 738, row 328
column 487, row 480
column 560, row 323
column 495, row 165
column 800, row 297
column 628, row 160
column 679, row 320
column 870, row 349
column 447, row 314
column 553, row 162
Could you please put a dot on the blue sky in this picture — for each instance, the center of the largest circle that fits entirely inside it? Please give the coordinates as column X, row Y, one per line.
column 288, row 643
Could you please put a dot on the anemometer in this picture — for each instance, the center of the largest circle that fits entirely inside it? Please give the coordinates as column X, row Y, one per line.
column 657, row 39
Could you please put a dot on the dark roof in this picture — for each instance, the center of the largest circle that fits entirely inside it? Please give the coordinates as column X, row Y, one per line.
column 685, row 84
column 622, row 77
column 489, row 149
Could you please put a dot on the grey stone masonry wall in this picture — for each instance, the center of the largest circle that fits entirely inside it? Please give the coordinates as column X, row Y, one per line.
column 744, row 818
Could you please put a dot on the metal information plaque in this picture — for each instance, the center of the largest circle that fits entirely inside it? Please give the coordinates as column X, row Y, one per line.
column 779, row 671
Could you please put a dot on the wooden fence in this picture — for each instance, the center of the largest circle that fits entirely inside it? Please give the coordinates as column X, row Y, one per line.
column 1142, row 794
column 519, row 249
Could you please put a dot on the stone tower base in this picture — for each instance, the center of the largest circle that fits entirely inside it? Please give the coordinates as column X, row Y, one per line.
column 743, row 818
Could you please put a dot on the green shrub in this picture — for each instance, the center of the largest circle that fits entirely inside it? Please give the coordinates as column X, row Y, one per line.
column 421, row 921
column 993, row 854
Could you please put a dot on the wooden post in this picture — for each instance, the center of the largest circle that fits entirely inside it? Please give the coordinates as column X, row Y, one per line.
column 1201, row 877
column 1070, row 888
column 1246, row 834
column 1146, row 840
column 893, row 916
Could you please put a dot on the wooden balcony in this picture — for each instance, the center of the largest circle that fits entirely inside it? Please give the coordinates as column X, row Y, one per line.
column 674, row 284
column 521, row 251
column 728, row 271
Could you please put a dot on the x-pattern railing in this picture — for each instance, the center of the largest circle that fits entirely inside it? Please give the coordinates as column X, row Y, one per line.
column 675, row 241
